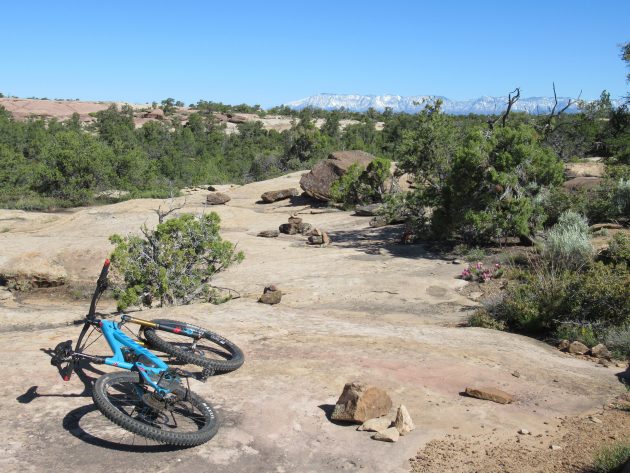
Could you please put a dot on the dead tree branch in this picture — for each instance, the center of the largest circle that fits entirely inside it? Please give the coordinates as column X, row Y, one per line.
column 548, row 125
column 512, row 99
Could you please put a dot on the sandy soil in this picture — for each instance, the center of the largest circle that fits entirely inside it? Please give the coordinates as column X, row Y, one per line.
column 363, row 308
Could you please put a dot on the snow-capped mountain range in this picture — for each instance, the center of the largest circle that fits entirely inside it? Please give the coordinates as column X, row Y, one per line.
column 415, row 103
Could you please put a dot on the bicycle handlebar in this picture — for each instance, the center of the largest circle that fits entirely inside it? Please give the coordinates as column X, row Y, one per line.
column 101, row 285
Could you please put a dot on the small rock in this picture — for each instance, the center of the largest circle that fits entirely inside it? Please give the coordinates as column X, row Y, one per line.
column 387, row 435
column 325, row 238
column 457, row 261
column 595, row 420
column 403, row 421
column 212, row 188
column 490, row 394
column 564, row 345
column 516, row 374
column 217, row 198
column 303, row 228
column 288, row 228
column 600, row 351
column 274, row 196
column 316, row 240
column 269, row 233
column 375, row 425
column 359, row 402
column 378, row 221
column 605, row 363
column 271, row 287
column 578, row 348
column 555, row 447
column 5, row 294
column 295, row 220
column 271, row 297
column 523, row 432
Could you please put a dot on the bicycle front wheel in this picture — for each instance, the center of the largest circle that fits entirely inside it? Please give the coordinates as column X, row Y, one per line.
column 195, row 345
column 181, row 418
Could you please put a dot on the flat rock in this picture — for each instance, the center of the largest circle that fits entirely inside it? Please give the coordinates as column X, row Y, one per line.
column 582, row 183
column 375, row 425
column 317, row 182
column 370, row 210
column 269, row 233
column 217, row 198
column 274, row 196
column 608, row 226
column 387, row 435
column 359, row 402
column 403, row 423
column 578, row 348
column 490, row 394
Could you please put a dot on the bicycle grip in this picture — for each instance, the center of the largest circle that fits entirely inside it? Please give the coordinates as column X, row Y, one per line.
column 104, row 270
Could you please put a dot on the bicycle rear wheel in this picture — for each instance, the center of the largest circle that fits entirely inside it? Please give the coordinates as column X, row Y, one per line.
column 181, row 418
column 195, row 345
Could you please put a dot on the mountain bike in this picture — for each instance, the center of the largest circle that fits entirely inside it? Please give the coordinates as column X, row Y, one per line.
column 149, row 399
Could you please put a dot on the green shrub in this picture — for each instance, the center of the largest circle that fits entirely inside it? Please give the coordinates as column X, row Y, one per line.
column 483, row 319
column 172, row 264
column 612, row 458
column 576, row 331
column 359, row 186
column 618, row 250
column 567, row 244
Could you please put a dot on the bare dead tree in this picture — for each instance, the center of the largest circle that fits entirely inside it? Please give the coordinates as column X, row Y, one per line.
column 548, row 125
column 512, row 99
column 162, row 214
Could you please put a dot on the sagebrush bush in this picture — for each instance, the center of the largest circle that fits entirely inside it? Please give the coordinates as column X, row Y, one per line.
column 567, row 245
column 618, row 341
column 621, row 197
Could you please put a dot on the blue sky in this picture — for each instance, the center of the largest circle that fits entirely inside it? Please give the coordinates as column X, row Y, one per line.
column 271, row 52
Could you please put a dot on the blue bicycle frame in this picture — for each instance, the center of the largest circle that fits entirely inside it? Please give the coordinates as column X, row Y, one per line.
column 151, row 368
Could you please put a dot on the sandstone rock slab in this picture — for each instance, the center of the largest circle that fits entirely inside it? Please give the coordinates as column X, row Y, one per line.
column 600, row 351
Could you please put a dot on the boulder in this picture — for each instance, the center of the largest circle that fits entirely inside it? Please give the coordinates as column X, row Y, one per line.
column 387, row 435
column 288, row 228
column 600, row 351
column 217, row 198
column 271, row 295
column 269, row 233
column 578, row 348
column 403, row 423
column 564, row 345
column 359, row 402
column 375, row 425
column 370, row 210
column 318, row 181
column 274, row 196
column 490, row 394
column 378, row 221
